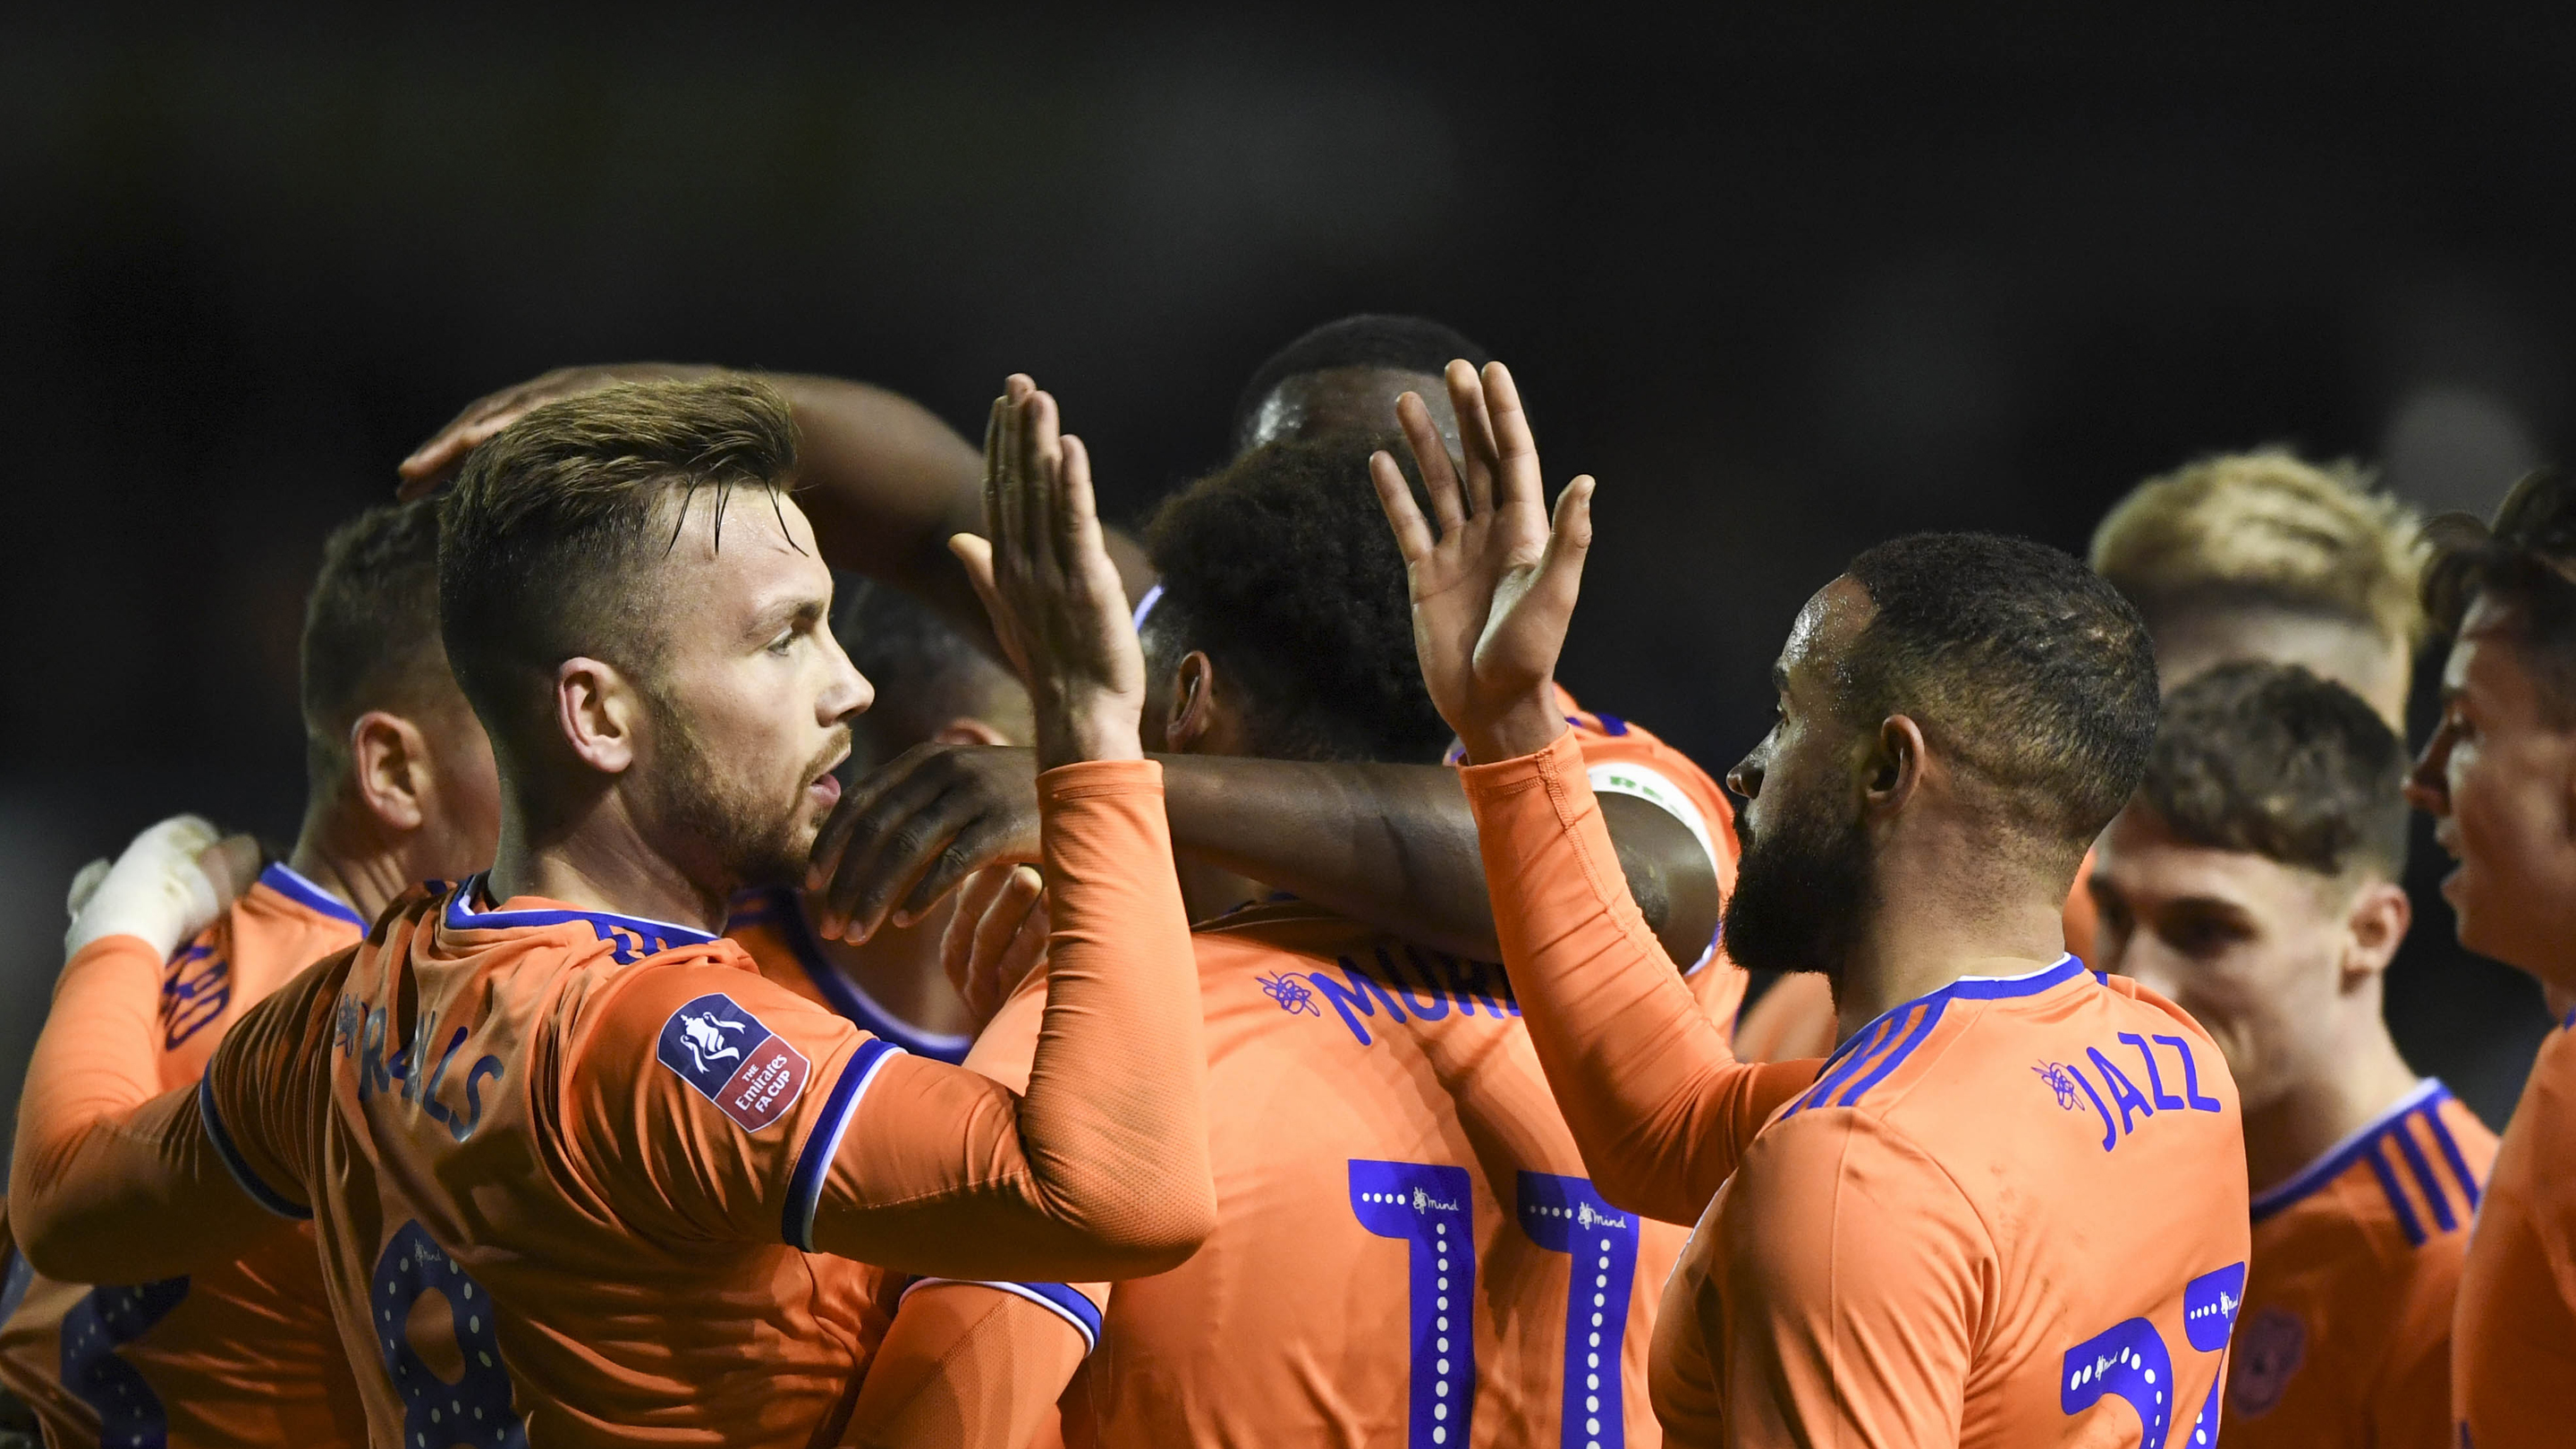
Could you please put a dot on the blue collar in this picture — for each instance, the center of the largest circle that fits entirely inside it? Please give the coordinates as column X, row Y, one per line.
column 2428, row 1094
column 1968, row 988
column 631, row 938
column 784, row 909
column 282, row 879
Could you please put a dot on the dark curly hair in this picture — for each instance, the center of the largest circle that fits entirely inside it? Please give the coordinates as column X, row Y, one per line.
column 2027, row 668
column 2524, row 560
column 2270, row 759
column 1281, row 568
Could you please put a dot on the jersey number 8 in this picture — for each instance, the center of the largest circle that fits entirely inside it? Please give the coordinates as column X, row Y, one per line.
column 477, row 1408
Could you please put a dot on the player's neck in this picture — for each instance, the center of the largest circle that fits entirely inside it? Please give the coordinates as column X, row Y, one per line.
column 1905, row 950
column 601, row 863
column 2362, row 1078
column 366, row 874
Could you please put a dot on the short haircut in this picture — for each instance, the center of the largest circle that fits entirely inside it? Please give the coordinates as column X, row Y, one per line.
column 2524, row 559
column 1367, row 339
column 2268, row 530
column 926, row 673
column 556, row 520
column 2270, row 759
column 2020, row 664
column 371, row 628
column 1281, row 568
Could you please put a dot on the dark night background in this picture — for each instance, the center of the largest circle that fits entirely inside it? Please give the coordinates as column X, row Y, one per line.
column 1787, row 284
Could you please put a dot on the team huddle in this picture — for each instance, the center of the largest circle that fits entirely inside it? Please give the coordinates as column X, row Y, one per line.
column 1216, row 987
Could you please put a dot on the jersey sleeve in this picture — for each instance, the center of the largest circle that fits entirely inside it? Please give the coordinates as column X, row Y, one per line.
column 976, row 1366
column 717, row 1103
column 1852, row 1267
column 112, row 1179
column 1658, row 1104
column 1099, row 1170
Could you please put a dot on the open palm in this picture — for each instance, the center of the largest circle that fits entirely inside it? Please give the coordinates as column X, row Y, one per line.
column 1494, row 585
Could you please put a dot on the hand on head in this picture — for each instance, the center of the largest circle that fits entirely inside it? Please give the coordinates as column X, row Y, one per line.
column 1494, row 586
column 1044, row 574
column 433, row 461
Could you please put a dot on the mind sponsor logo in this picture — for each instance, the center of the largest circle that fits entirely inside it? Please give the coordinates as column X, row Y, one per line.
column 751, row 1073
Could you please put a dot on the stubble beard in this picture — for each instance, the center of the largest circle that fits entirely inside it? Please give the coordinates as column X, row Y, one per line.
column 1801, row 890
column 743, row 835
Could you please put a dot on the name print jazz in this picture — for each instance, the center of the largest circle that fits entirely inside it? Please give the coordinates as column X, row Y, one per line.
column 751, row 1073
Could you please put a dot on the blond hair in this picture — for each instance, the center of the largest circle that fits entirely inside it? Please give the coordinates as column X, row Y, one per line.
column 2269, row 527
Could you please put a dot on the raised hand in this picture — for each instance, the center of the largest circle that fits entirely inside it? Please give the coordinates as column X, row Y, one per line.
column 1044, row 574
column 435, row 459
column 170, row 883
column 911, row 830
column 1494, row 585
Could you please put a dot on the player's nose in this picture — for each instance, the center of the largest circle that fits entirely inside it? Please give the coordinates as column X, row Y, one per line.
column 2428, row 785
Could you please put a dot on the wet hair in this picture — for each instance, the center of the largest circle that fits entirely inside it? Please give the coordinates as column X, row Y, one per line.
column 2267, row 530
column 1366, row 339
column 926, row 673
column 2272, row 760
column 2023, row 666
column 1281, row 568
column 2523, row 560
column 371, row 629
column 549, row 540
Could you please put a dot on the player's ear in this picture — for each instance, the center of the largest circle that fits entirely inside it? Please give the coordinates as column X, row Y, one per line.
column 1894, row 764
column 1190, row 707
column 598, row 710
column 2374, row 926
column 390, row 768
column 966, row 729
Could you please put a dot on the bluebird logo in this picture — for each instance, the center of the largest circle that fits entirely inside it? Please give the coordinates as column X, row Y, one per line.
column 1289, row 992
column 2061, row 1085
column 751, row 1073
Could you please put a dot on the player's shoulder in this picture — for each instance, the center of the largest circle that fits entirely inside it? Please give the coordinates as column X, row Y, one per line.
column 2409, row 1180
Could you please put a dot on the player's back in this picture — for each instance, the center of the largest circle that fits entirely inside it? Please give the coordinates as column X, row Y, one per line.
column 514, row 1269
column 242, row 1354
column 2010, row 1212
column 2514, row 1333
column 1407, row 1251
column 2345, row 1338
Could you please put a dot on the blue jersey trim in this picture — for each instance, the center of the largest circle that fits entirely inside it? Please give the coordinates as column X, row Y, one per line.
column 630, row 938
column 1856, row 1065
column 283, row 879
column 784, row 911
column 823, row 1143
column 2407, row 1222
column 16, row 1273
column 2425, row 1101
column 1065, row 1303
column 259, row 1191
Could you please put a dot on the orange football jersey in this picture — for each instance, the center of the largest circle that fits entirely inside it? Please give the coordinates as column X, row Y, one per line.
column 580, row 1178
column 1407, row 1250
column 2513, row 1343
column 245, row 1354
column 2012, row 1211
column 2345, row 1338
column 772, row 925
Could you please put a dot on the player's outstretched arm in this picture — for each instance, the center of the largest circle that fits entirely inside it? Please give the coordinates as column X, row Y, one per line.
column 885, row 482
column 1392, row 845
column 1100, row 1169
column 112, row 1180
column 1656, row 1101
